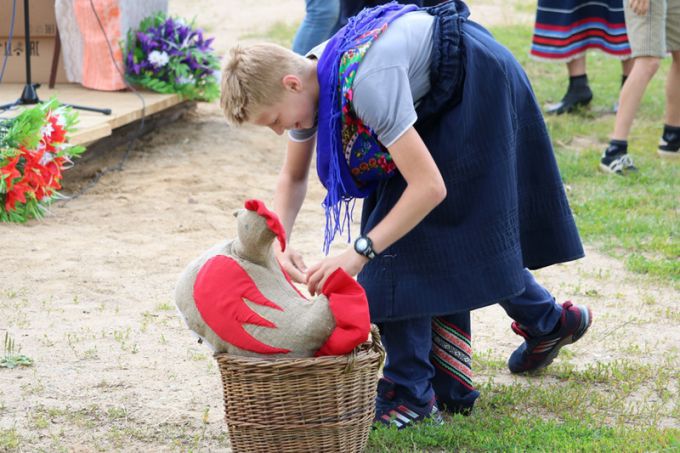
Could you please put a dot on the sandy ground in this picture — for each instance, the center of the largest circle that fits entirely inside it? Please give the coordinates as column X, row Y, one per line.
column 87, row 292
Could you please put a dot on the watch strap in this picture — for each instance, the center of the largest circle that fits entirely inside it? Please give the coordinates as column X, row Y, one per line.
column 367, row 251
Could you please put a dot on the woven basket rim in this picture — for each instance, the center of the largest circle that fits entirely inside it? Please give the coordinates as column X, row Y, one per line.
column 329, row 359
column 366, row 350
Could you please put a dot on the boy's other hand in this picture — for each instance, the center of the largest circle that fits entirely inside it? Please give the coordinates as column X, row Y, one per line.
column 291, row 261
column 317, row 275
column 639, row 7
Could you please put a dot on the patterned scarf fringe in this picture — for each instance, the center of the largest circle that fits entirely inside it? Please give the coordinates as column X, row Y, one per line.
column 338, row 217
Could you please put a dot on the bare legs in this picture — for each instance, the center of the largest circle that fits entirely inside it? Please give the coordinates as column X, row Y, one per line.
column 669, row 146
column 577, row 67
column 631, row 94
column 626, row 67
column 615, row 158
column 673, row 92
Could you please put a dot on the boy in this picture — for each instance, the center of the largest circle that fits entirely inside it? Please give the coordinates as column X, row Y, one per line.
column 434, row 123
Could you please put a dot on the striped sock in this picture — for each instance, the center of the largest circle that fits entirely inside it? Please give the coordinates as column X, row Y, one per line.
column 452, row 352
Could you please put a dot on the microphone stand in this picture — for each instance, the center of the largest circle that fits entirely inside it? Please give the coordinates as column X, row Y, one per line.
column 29, row 95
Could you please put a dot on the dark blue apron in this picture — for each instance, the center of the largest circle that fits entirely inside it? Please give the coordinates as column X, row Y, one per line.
column 506, row 208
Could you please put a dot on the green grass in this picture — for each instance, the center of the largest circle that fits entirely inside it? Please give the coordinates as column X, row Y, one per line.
column 9, row 439
column 520, row 434
column 617, row 406
column 11, row 358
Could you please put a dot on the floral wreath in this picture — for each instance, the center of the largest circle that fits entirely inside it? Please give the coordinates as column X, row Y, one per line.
column 168, row 55
column 34, row 151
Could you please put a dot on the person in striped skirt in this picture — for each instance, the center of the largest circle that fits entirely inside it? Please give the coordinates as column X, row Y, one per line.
column 566, row 29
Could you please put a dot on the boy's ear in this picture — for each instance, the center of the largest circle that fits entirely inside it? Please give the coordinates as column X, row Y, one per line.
column 293, row 83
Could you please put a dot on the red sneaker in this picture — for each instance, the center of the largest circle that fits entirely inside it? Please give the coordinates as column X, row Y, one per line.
column 538, row 352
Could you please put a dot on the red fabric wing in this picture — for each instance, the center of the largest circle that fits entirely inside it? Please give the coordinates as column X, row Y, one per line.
column 219, row 290
column 347, row 300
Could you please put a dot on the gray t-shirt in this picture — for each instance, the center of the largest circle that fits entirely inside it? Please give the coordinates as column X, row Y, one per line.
column 392, row 78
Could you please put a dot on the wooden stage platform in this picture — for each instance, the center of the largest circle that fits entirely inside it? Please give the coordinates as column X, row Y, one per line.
column 126, row 107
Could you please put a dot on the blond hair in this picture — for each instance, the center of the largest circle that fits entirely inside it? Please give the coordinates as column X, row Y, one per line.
column 252, row 79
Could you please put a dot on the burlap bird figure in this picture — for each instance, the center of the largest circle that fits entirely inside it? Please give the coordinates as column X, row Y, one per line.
column 238, row 300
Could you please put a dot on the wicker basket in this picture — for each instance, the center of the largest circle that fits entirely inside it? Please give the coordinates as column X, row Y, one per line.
column 301, row 405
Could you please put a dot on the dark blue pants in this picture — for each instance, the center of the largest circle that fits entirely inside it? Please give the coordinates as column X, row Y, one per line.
column 433, row 356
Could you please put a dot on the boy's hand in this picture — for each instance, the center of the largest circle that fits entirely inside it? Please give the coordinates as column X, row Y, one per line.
column 349, row 260
column 639, row 7
column 291, row 262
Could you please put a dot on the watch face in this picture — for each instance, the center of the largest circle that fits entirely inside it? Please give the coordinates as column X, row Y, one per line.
column 361, row 244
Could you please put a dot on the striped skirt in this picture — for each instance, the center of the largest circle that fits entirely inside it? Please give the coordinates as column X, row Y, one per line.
column 566, row 29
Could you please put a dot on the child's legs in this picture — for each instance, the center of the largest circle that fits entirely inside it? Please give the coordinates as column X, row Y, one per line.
column 452, row 359
column 647, row 37
column 673, row 91
column 408, row 345
column 535, row 308
column 632, row 91
column 627, row 66
column 673, row 80
column 577, row 66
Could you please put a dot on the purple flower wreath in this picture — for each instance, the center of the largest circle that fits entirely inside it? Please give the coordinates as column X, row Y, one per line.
column 168, row 55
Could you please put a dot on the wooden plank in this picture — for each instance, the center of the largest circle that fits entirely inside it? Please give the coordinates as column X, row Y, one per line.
column 125, row 107
column 132, row 131
column 83, row 136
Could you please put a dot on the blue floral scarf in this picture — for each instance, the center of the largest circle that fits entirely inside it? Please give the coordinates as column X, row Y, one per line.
column 350, row 159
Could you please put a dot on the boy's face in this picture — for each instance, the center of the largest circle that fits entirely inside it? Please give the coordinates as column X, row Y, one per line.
column 295, row 110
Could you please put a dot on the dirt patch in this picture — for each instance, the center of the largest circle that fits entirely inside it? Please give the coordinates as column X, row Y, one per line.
column 87, row 292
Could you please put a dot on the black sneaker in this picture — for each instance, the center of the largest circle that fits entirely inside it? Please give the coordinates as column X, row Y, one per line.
column 618, row 164
column 669, row 149
column 393, row 411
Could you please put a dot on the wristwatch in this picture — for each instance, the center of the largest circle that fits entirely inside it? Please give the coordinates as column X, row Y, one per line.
column 364, row 246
